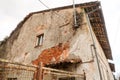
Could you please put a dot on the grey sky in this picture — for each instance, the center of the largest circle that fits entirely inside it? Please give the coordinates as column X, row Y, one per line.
column 13, row 11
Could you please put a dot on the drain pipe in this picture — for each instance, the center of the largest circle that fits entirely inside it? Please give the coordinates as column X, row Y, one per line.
column 90, row 29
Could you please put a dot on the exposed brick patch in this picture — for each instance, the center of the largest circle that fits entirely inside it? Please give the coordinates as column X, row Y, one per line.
column 53, row 54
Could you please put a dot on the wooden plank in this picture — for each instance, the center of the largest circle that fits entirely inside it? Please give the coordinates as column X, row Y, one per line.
column 61, row 71
column 63, row 74
column 40, row 73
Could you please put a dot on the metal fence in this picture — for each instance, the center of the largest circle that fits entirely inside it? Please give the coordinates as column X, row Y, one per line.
column 15, row 71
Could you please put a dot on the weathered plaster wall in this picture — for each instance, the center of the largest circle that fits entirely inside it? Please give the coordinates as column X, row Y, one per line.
column 104, row 66
column 58, row 29
column 81, row 46
column 54, row 27
column 87, row 54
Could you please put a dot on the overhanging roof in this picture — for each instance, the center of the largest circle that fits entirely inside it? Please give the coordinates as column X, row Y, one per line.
column 98, row 26
column 112, row 67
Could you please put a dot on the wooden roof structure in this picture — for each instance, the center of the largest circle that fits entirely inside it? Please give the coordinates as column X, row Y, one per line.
column 98, row 25
column 112, row 67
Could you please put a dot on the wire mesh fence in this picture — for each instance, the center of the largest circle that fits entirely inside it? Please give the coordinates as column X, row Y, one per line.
column 15, row 71
column 55, row 74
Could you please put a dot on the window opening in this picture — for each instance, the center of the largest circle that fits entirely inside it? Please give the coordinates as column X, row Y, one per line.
column 40, row 39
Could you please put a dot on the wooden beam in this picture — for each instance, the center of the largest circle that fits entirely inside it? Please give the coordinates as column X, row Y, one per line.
column 18, row 68
column 61, row 71
column 64, row 74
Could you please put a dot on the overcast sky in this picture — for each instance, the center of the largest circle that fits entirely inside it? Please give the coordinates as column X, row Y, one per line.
column 13, row 11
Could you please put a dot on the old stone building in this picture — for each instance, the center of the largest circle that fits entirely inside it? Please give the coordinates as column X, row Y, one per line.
column 65, row 38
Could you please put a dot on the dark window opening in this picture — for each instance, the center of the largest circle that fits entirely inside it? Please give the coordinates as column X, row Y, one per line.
column 40, row 39
column 11, row 78
column 67, row 78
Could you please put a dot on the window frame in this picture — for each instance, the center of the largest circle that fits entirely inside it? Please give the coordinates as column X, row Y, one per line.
column 40, row 39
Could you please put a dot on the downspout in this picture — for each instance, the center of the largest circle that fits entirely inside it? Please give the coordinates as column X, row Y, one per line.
column 94, row 47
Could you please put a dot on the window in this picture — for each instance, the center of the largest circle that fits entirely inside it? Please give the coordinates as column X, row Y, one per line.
column 40, row 39
column 11, row 78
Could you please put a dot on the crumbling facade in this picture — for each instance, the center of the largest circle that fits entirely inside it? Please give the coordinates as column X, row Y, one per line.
column 51, row 38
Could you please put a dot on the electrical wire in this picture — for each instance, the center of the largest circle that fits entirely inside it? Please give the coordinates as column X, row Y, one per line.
column 43, row 4
column 50, row 9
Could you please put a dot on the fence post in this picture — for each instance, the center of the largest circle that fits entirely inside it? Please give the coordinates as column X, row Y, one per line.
column 84, row 75
column 40, row 72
